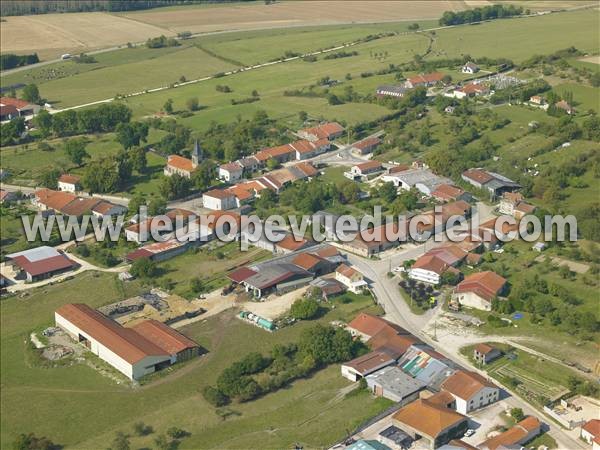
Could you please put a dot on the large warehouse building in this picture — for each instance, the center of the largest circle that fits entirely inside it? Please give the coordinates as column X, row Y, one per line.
column 137, row 351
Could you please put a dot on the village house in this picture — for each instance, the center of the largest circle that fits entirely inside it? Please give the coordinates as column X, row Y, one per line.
column 428, row 269
column 514, row 437
column 280, row 153
column 367, row 326
column 108, row 209
column 485, row 354
column 230, row 172
column 69, row 183
column 425, row 80
column 470, row 67
column 351, row 278
column 470, row 390
column 39, row 263
column 366, row 145
column 590, row 432
column 512, row 204
column 365, row 365
column 434, row 423
column 143, row 349
column 328, row 130
column 537, row 100
column 494, row 183
column 309, row 149
column 391, row 91
column 219, row 199
column 7, row 197
column 479, row 289
column 447, row 192
column 11, row 108
column 363, row 170
column 565, row 106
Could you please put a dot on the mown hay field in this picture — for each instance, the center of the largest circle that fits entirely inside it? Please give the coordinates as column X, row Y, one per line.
column 51, row 35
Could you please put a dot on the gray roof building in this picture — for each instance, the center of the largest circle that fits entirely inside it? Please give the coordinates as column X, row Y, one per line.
column 392, row 383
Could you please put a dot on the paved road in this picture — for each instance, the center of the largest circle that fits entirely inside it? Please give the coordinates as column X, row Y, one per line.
column 397, row 310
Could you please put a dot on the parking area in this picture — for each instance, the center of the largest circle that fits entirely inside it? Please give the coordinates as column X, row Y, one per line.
column 487, row 422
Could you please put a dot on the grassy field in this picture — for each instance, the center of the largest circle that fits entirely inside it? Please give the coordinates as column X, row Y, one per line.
column 538, row 379
column 207, row 265
column 307, row 412
column 584, row 97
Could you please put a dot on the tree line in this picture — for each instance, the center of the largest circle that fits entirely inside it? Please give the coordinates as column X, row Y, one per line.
column 10, row 60
column 27, row 7
column 257, row 374
column 478, row 14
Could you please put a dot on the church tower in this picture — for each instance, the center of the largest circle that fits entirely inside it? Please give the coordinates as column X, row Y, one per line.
column 196, row 154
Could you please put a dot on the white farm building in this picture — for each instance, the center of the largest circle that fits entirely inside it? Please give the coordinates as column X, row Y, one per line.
column 143, row 349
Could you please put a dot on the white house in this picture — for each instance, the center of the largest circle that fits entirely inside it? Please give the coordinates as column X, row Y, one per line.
column 361, row 171
column 478, row 290
column 219, row 200
column 365, row 365
column 108, row 209
column 69, row 183
column 133, row 352
column 590, row 432
column 230, row 172
column 351, row 278
column 428, row 269
column 470, row 67
column 470, row 390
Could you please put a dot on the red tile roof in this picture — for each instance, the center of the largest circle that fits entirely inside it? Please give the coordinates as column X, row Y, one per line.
column 370, row 325
column 369, row 165
column 428, row 418
column 219, row 193
column 70, row 179
column 17, row 103
column 366, row 364
column 485, row 284
column 273, row 152
column 307, row 168
column 80, row 206
column 433, row 77
column 231, row 167
column 56, row 200
column 431, row 263
column 165, row 337
column 592, row 427
column 42, row 266
column 447, row 192
column 181, row 163
column 464, row 384
column 241, row 274
column 347, row 271
column 325, row 131
column 484, row 349
column 306, row 261
column 478, row 175
column 289, row 243
column 124, row 342
column 368, row 142
column 512, row 436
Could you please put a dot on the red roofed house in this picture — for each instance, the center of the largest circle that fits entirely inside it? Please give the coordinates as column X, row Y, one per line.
column 426, row 80
column 479, row 289
column 135, row 352
column 183, row 166
column 39, row 263
column 433, row 422
column 360, row 171
column 367, row 326
column 366, row 145
column 329, row 131
column 470, row 390
column 484, row 353
column 447, row 192
column 514, row 437
column 13, row 107
column 351, row 278
column 365, row 365
column 308, row 149
column 281, row 154
column 69, row 183
column 429, row 269
column 590, row 432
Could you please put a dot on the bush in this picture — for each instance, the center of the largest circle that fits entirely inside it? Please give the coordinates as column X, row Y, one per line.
column 517, row 414
column 214, row 396
column 304, row 309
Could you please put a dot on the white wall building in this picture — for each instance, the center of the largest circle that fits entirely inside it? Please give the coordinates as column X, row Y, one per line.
column 470, row 390
column 219, row 200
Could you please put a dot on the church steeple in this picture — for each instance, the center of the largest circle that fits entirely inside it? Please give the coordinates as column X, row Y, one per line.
column 196, row 153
